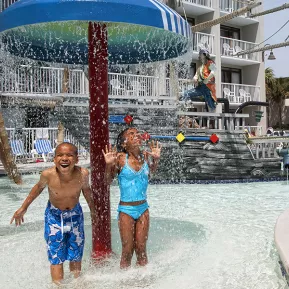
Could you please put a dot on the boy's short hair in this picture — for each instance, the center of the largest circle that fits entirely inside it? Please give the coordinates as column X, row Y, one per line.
column 70, row 144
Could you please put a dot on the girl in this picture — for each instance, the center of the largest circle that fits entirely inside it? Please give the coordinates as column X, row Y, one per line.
column 133, row 168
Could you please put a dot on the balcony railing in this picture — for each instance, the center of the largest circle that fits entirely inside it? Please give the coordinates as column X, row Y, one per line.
column 232, row 5
column 51, row 80
column 6, row 3
column 207, row 3
column 239, row 93
column 203, row 40
column 230, row 47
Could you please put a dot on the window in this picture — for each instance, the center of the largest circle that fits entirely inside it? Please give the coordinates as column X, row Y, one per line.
column 230, row 32
column 231, row 75
column 191, row 21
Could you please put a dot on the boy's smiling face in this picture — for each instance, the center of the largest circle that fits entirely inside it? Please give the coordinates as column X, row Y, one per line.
column 65, row 158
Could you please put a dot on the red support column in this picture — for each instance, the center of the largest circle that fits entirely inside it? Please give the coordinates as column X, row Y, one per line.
column 99, row 138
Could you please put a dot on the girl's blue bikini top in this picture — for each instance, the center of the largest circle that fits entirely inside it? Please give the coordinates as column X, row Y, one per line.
column 133, row 184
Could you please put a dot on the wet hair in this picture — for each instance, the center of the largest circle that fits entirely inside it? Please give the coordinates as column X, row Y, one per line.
column 120, row 140
column 69, row 144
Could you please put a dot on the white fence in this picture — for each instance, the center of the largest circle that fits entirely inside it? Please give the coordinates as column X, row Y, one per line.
column 49, row 80
column 207, row 3
column 230, row 47
column 203, row 40
column 239, row 93
column 266, row 148
column 29, row 135
column 218, row 121
column 232, row 5
column 6, row 3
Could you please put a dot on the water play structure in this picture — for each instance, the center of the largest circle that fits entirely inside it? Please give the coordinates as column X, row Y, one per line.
column 95, row 33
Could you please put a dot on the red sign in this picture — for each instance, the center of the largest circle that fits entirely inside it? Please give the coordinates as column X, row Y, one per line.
column 128, row 119
column 145, row 136
column 214, row 138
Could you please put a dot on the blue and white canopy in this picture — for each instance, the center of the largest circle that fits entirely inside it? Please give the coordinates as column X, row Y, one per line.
column 56, row 30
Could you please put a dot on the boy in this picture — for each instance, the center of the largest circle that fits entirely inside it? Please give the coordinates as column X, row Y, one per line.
column 64, row 227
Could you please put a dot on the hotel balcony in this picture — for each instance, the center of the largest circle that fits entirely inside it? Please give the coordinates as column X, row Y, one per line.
column 240, row 93
column 195, row 7
column 229, row 6
column 49, row 81
column 202, row 40
column 230, row 47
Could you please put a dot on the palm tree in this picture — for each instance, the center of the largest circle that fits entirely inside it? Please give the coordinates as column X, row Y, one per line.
column 270, row 81
column 277, row 89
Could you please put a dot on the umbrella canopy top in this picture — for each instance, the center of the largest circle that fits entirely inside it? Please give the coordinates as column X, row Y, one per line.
column 56, row 30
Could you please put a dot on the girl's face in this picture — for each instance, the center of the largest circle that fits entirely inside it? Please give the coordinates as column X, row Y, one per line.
column 132, row 139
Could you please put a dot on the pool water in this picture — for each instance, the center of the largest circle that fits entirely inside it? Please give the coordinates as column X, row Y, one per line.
column 201, row 237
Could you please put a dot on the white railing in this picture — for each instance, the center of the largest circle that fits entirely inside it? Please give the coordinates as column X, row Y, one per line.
column 239, row 93
column 207, row 3
column 230, row 47
column 49, row 80
column 266, row 148
column 35, row 79
column 6, row 3
column 218, row 121
column 255, row 130
column 232, row 5
column 29, row 135
column 203, row 40
column 183, row 85
column 133, row 85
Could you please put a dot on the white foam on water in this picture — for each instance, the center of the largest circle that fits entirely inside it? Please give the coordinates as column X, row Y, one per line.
column 201, row 237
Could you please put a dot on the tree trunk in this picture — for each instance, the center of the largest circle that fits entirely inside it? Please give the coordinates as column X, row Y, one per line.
column 60, row 133
column 6, row 155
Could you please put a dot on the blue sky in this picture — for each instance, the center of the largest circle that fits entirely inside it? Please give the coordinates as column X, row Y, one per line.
column 272, row 23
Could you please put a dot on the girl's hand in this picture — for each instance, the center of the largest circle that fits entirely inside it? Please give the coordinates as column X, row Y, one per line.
column 155, row 150
column 110, row 155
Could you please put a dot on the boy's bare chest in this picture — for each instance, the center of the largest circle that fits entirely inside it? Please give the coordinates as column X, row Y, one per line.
column 60, row 188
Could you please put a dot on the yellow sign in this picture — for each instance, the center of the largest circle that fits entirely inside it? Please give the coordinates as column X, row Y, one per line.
column 180, row 137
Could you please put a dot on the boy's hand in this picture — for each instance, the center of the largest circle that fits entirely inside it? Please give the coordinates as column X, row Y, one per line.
column 155, row 150
column 18, row 216
column 110, row 155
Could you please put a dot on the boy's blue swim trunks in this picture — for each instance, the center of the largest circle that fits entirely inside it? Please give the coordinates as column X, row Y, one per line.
column 64, row 234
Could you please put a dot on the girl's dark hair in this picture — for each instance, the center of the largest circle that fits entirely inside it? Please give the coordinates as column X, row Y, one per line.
column 120, row 140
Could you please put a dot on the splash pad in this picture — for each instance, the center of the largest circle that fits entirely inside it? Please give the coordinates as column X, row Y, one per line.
column 95, row 33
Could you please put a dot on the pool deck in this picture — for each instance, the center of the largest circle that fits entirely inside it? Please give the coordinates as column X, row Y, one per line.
column 32, row 167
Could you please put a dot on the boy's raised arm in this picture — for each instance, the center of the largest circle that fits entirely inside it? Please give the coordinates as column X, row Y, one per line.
column 34, row 193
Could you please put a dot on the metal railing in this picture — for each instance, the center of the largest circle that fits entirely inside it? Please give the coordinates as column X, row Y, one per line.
column 49, row 80
column 232, row 5
column 207, row 3
column 230, row 47
column 6, row 3
column 218, row 121
column 239, row 93
column 203, row 40
column 29, row 135
column 265, row 148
